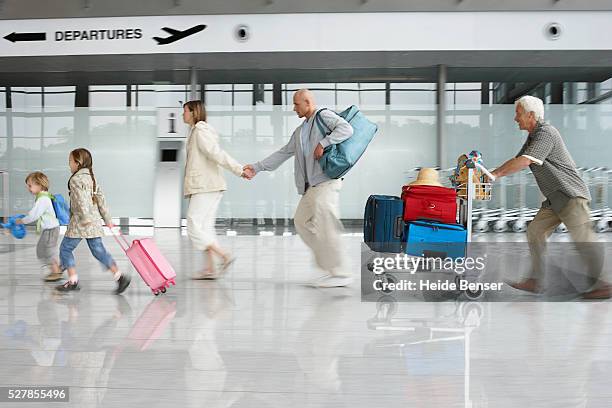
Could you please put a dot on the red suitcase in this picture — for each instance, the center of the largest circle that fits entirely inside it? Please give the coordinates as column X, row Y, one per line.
column 430, row 202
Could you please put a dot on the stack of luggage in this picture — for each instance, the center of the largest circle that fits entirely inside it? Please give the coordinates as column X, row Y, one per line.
column 422, row 222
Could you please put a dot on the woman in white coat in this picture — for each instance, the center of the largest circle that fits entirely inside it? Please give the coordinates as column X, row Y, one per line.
column 204, row 186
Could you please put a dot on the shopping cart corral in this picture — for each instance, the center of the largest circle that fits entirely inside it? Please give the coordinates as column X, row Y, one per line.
column 511, row 212
column 598, row 179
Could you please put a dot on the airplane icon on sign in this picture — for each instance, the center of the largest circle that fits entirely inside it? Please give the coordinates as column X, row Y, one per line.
column 176, row 35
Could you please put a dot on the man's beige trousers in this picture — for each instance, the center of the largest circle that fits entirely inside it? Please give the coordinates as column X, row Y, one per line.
column 317, row 222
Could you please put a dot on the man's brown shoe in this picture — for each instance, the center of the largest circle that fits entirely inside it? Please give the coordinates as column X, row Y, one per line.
column 598, row 294
column 528, row 285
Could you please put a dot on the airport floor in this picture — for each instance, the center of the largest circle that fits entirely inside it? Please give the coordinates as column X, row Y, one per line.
column 260, row 338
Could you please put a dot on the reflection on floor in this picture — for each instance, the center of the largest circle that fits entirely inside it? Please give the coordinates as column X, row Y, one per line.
column 259, row 338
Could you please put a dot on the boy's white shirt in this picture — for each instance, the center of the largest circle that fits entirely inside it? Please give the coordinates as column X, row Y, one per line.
column 42, row 206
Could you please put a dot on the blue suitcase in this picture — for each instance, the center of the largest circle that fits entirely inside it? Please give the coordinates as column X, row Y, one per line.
column 383, row 223
column 434, row 239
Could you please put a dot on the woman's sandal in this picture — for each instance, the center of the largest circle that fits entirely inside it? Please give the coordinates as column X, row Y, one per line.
column 206, row 274
column 226, row 264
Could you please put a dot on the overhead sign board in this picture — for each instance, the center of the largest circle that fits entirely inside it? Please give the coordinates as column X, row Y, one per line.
column 434, row 31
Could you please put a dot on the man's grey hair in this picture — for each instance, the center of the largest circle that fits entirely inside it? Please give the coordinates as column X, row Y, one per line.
column 532, row 104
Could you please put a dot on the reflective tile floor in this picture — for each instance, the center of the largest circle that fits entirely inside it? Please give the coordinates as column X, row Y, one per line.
column 259, row 338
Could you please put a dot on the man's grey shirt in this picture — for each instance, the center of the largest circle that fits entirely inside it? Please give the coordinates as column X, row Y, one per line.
column 553, row 167
column 306, row 168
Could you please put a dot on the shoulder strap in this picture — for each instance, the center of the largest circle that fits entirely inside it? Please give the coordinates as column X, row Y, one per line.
column 45, row 194
column 320, row 123
column 50, row 212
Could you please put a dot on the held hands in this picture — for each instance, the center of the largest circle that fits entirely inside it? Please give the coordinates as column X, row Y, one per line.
column 248, row 172
column 318, row 152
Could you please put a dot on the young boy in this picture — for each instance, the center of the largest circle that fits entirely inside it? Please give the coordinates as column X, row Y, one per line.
column 47, row 224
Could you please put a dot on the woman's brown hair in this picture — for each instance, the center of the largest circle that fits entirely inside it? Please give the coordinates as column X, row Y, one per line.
column 197, row 109
column 82, row 157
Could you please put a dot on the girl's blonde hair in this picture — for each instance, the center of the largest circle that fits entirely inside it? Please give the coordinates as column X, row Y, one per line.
column 38, row 178
column 82, row 157
column 197, row 109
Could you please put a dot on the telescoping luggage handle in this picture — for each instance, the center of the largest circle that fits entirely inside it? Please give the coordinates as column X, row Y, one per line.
column 125, row 241
column 398, row 227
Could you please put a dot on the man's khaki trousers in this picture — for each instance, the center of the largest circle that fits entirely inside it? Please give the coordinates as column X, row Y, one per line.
column 317, row 222
column 576, row 217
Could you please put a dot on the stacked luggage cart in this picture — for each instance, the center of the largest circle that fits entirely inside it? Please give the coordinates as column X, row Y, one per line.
column 390, row 228
column 476, row 213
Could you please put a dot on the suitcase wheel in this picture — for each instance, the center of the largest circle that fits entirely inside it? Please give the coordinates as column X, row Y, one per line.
column 156, row 292
column 163, row 290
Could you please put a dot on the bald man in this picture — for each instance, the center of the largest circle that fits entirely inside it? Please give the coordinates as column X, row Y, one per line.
column 316, row 217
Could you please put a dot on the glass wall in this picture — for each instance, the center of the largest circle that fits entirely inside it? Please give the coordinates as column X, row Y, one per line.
column 122, row 141
column 406, row 138
column 120, row 129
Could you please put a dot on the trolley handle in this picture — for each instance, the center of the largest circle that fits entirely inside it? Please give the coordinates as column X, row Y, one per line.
column 485, row 171
column 120, row 235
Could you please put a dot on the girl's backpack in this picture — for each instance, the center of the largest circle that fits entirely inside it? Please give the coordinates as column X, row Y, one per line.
column 62, row 210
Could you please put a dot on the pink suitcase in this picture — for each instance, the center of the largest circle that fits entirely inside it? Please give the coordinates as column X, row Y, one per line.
column 152, row 266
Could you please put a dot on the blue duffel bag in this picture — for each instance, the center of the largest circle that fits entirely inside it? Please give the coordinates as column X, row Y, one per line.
column 338, row 159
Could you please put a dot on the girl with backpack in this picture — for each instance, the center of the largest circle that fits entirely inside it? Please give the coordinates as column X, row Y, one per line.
column 87, row 206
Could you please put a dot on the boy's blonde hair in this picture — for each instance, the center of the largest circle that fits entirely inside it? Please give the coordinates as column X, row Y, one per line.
column 38, row 178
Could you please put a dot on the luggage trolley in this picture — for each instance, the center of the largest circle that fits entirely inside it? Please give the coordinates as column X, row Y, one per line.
column 466, row 195
column 471, row 191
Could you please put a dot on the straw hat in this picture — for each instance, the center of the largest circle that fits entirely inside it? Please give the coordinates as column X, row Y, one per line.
column 427, row 177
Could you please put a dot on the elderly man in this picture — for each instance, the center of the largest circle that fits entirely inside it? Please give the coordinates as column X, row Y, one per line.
column 316, row 217
column 567, row 197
